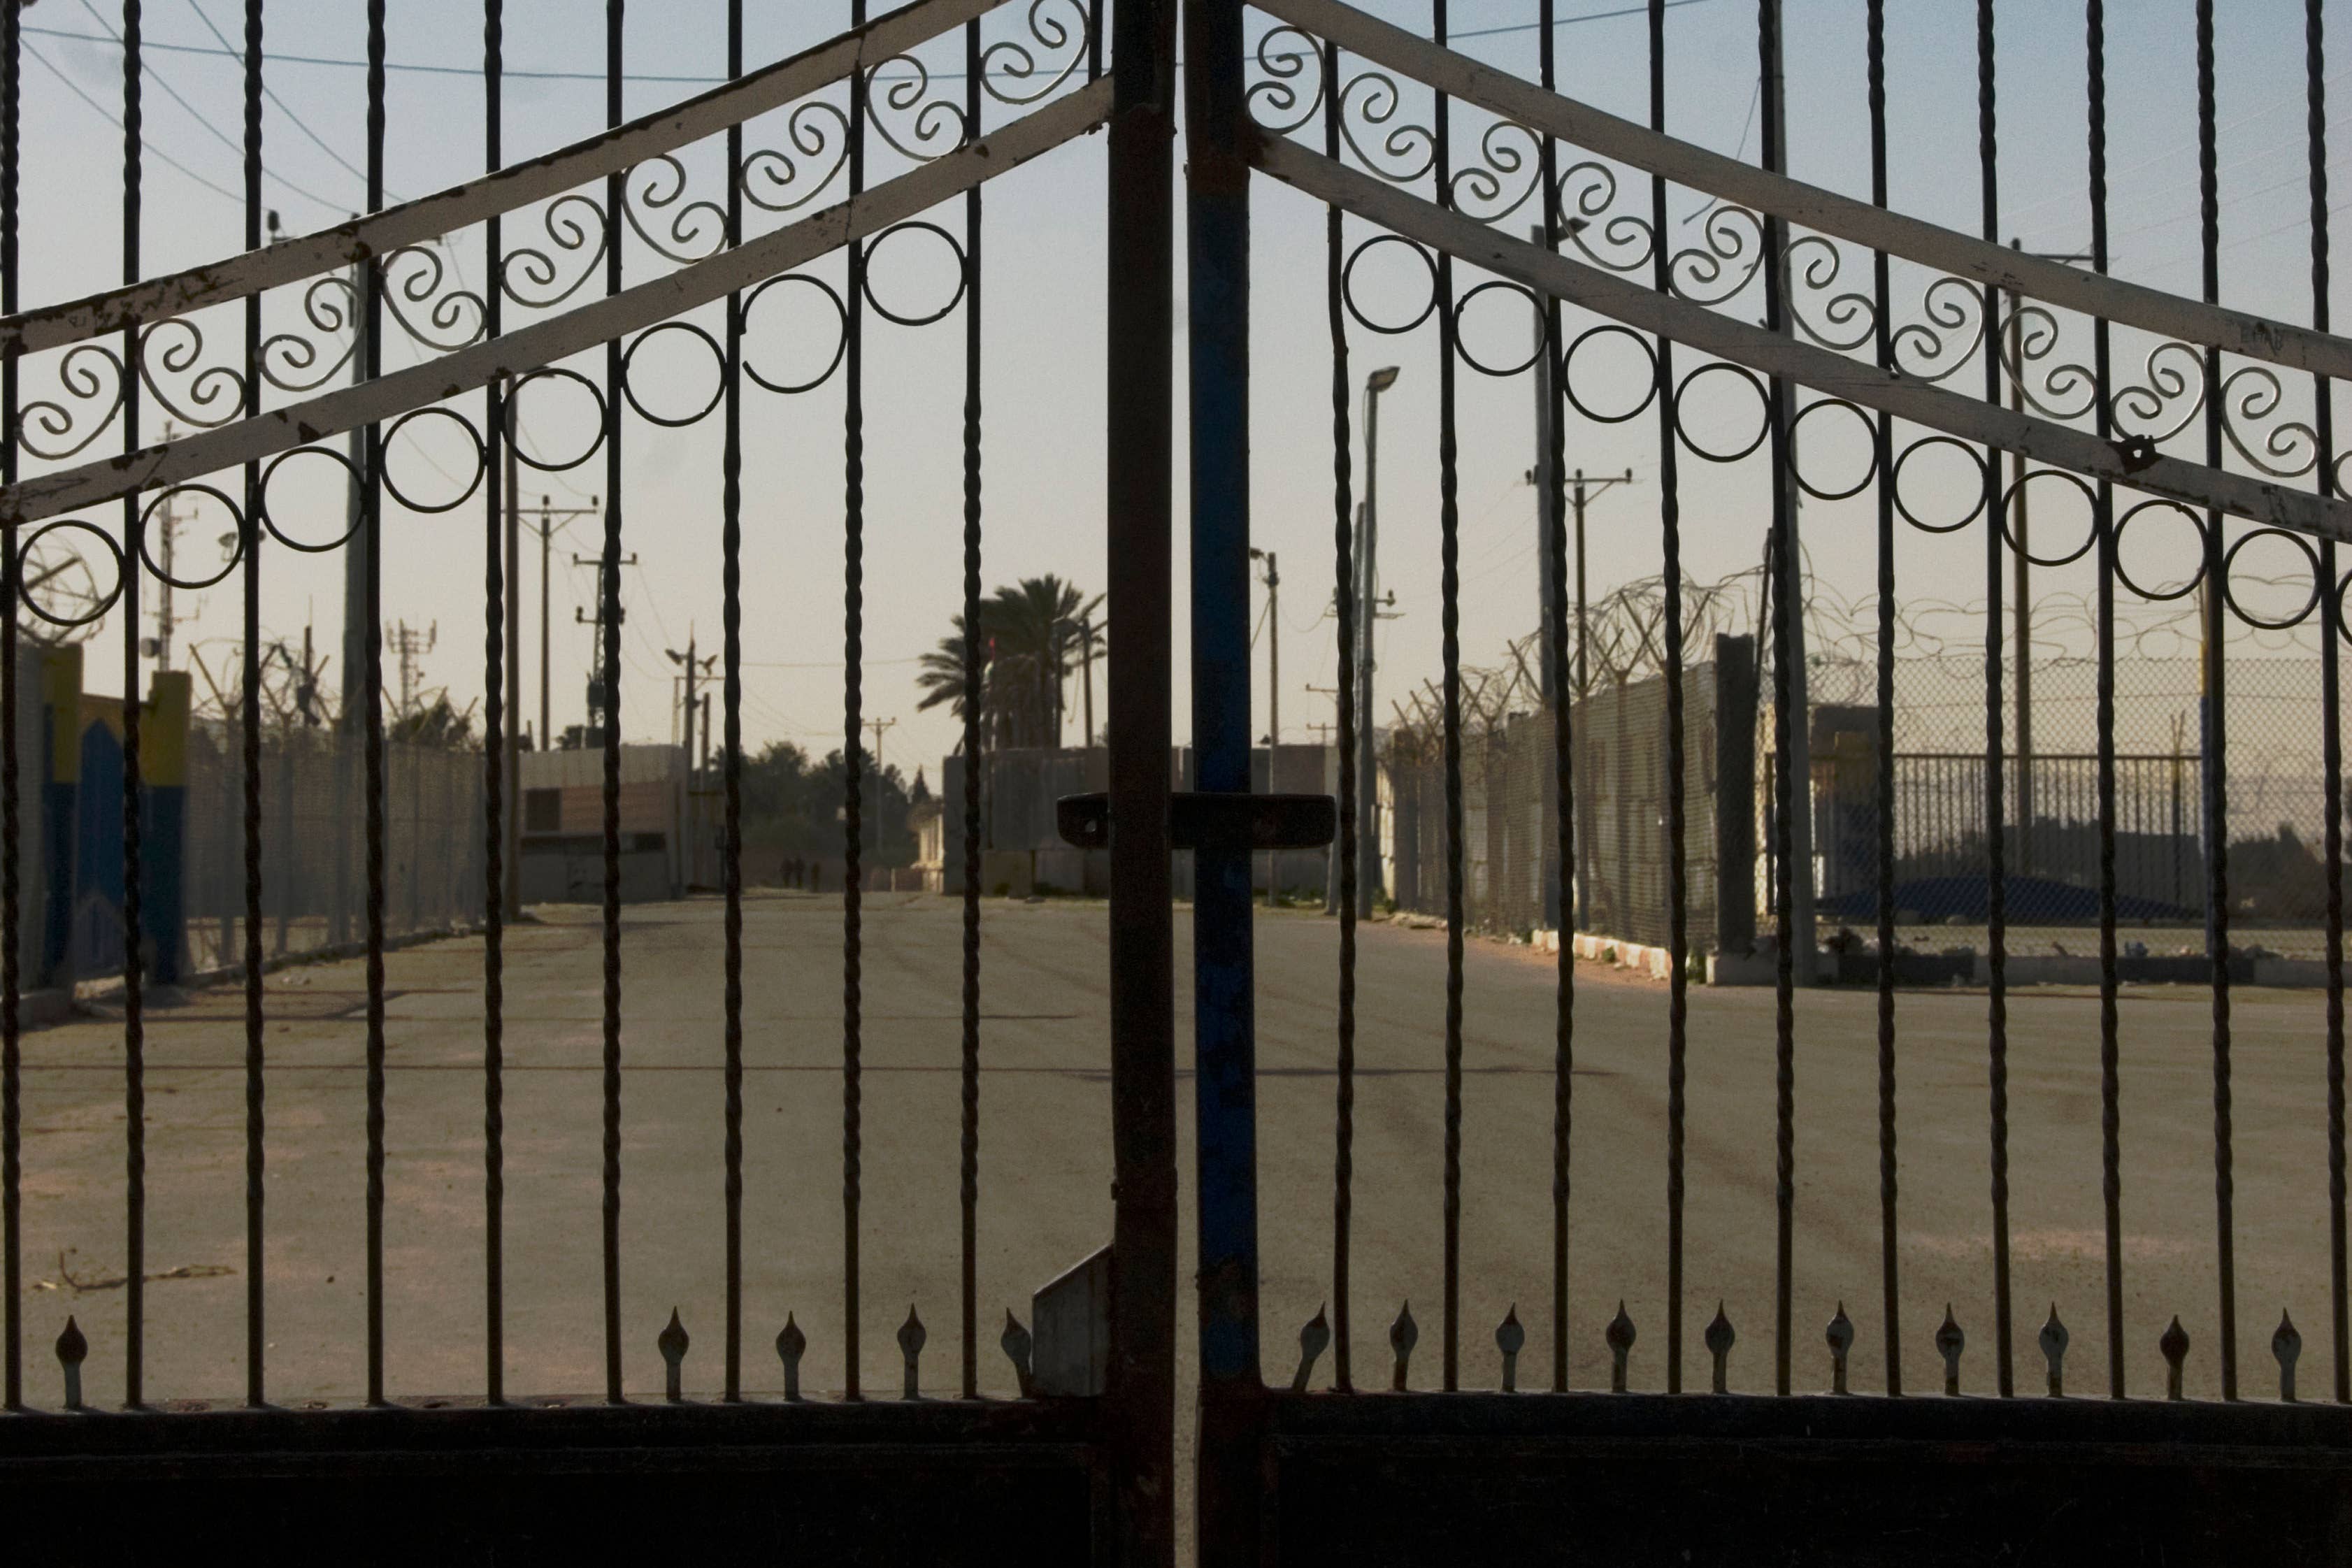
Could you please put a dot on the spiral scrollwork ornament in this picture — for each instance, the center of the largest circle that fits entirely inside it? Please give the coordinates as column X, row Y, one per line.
column 1289, row 88
column 2047, row 382
column 1935, row 349
column 1397, row 152
column 1845, row 320
column 2168, row 399
column 1588, row 190
column 1726, row 259
column 171, row 369
column 294, row 361
column 814, row 152
column 654, row 204
column 414, row 297
column 533, row 276
column 1509, row 173
column 1033, row 69
column 902, row 111
column 89, row 395
column 2251, row 397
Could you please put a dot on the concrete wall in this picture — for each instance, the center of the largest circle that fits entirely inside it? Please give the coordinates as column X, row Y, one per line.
column 659, row 829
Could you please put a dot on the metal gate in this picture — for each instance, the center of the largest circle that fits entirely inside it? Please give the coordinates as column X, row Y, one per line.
column 1047, row 1440
column 1344, row 1464
column 1927, row 343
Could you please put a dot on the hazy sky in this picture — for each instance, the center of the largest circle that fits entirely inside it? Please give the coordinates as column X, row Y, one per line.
column 1042, row 314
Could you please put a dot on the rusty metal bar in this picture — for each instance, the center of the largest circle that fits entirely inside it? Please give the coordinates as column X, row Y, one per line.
column 1771, row 354
column 544, row 342
column 853, row 751
column 250, row 544
column 608, row 627
column 12, row 1354
column 1769, row 191
column 371, row 640
column 1139, row 431
column 611, row 151
column 134, row 1037
column 1995, row 860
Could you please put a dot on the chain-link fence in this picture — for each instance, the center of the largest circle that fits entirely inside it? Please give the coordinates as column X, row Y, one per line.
column 2274, row 793
column 1620, row 755
column 314, row 874
column 2049, row 804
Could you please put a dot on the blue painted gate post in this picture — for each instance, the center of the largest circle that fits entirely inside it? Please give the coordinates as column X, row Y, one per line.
column 1217, row 234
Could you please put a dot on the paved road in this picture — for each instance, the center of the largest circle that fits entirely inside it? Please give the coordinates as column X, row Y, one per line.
column 1044, row 1195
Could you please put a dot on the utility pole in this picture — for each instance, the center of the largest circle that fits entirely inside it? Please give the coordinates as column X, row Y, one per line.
column 1273, row 700
column 1273, row 647
column 159, row 647
column 1582, row 491
column 600, row 696
column 510, row 892
column 879, row 726
column 552, row 519
column 695, row 669
column 1368, row 835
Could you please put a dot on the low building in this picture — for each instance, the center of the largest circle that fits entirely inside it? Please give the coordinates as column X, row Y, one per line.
column 564, row 825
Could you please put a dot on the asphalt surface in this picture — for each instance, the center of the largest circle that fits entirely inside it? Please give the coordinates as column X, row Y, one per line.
column 1045, row 1161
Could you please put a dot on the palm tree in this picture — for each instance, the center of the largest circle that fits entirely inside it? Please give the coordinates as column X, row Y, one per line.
column 1030, row 637
column 1035, row 628
column 941, row 677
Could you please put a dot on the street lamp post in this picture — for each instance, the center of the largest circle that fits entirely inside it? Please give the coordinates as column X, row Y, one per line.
column 1368, row 838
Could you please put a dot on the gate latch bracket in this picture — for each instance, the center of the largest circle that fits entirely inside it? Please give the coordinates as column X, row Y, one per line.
column 1198, row 817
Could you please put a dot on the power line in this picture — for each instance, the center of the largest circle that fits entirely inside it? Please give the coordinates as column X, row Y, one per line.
column 513, row 73
column 198, row 115
column 283, row 107
column 108, row 115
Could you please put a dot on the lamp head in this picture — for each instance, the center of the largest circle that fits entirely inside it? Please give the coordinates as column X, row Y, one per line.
column 1380, row 381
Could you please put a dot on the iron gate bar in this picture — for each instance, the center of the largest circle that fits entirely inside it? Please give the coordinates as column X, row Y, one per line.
column 1990, row 265
column 249, row 543
column 730, row 550
column 501, row 667
column 1995, row 869
column 371, row 543
column 1139, row 507
column 2216, row 752
column 1554, row 433
column 1232, row 1387
column 1344, row 570
column 134, row 1089
column 385, row 230
column 12, row 1356
column 1769, row 353
column 2331, row 720
column 2104, row 519
column 1781, row 580
column 1678, row 871
column 853, row 746
column 608, row 589
column 969, row 1193
column 1449, row 552
column 1882, row 432
column 544, row 342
